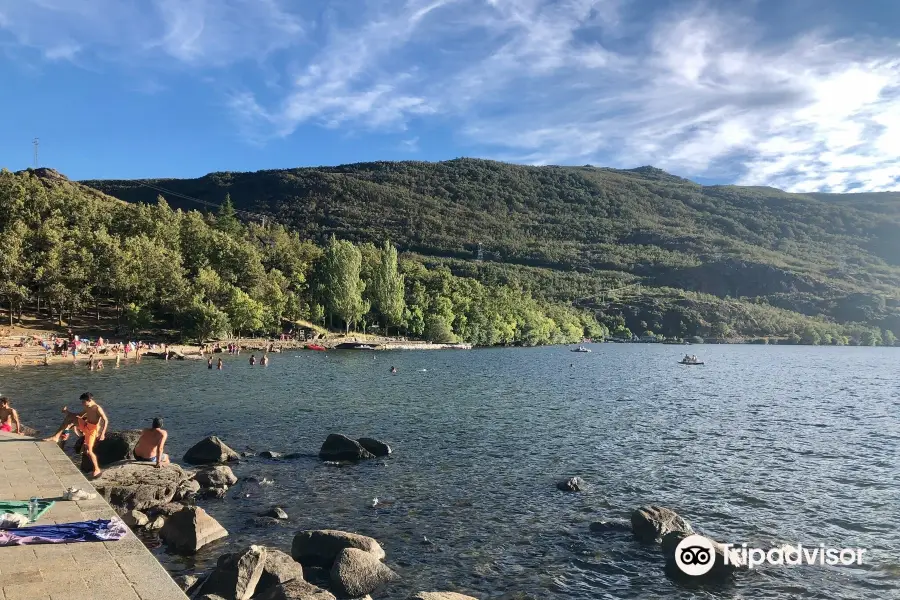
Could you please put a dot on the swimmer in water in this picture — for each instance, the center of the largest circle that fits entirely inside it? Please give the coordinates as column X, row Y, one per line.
column 220, row 365
column 209, row 363
column 393, row 369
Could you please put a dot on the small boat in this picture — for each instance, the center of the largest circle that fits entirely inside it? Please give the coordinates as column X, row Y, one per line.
column 581, row 349
column 354, row 346
column 690, row 362
column 318, row 347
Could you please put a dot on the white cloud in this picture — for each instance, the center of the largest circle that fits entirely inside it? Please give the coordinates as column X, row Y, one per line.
column 699, row 92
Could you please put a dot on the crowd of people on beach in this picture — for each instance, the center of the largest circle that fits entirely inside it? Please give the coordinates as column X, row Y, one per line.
column 91, row 424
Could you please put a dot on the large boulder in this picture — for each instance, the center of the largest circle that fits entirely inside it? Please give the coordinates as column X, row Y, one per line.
column 208, row 451
column 139, row 485
column 296, row 589
column 279, row 568
column 376, row 447
column 320, row 547
column 339, row 447
column 237, row 574
column 116, row 446
column 651, row 523
column 572, row 484
column 720, row 569
column 441, row 596
column 356, row 573
column 190, row 529
column 218, row 476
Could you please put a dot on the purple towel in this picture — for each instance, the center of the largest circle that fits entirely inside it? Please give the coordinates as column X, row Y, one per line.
column 64, row 533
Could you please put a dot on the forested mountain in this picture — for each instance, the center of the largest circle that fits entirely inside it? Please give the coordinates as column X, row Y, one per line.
column 714, row 260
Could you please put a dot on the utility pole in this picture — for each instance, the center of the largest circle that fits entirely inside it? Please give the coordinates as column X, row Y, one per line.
column 36, row 142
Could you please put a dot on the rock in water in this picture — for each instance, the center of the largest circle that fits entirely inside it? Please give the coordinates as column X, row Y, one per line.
column 190, row 529
column 218, row 476
column 237, row 574
column 135, row 519
column 279, row 568
column 613, row 525
column 572, row 484
column 270, row 454
column 321, row 547
column 276, row 512
column 208, row 451
column 339, row 447
column 356, row 573
column 441, row 596
column 376, row 447
column 265, row 522
column 139, row 486
column 217, row 493
column 719, row 570
column 118, row 445
column 186, row 582
column 651, row 523
column 296, row 589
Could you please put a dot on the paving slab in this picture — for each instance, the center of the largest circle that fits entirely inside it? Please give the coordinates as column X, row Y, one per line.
column 118, row 570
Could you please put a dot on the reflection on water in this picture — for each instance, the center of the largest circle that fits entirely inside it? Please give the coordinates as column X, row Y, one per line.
column 764, row 445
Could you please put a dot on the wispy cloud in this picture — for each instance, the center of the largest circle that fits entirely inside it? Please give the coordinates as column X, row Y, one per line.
column 700, row 90
column 410, row 145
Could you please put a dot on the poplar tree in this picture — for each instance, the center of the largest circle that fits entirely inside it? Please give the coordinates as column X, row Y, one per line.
column 343, row 286
column 388, row 286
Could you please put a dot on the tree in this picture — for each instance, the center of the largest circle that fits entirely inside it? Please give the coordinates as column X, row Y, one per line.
column 388, row 288
column 888, row 338
column 226, row 219
column 868, row 338
column 13, row 268
column 438, row 330
column 203, row 321
column 810, row 336
column 342, row 284
column 245, row 313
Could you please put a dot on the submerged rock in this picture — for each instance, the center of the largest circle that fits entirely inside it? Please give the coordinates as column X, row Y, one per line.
column 215, row 493
column 321, row 547
column 139, row 485
column 356, row 573
column 265, row 522
column 237, row 574
column 720, row 570
column 276, row 512
column 208, row 451
column 339, row 447
column 441, row 596
column 270, row 454
column 376, row 447
column 612, row 525
column 186, row 582
column 190, row 529
column 572, row 484
column 217, row 476
column 651, row 523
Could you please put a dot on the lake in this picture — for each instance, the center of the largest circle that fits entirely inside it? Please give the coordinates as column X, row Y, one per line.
column 763, row 444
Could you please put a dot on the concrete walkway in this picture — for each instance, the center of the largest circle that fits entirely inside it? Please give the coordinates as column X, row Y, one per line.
column 122, row 570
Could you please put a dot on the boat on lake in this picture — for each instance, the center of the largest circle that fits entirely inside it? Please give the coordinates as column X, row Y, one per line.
column 354, row 346
column 581, row 349
column 318, row 347
column 690, row 360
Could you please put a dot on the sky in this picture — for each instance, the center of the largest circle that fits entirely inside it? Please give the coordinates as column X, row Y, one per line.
column 803, row 95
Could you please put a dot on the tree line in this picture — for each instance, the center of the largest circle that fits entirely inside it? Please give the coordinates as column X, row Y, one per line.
column 68, row 250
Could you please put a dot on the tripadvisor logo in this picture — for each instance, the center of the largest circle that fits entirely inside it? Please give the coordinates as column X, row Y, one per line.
column 696, row 555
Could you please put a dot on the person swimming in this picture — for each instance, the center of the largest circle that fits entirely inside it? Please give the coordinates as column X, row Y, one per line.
column 209, row 363
column 220, row 366
column 264, row 360
column 252, row 359
column 393, row 369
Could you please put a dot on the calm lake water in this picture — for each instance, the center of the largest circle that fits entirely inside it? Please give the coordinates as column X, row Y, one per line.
column 765, row 445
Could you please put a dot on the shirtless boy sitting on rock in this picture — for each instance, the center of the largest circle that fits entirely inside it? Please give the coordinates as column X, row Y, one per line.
column 87, row 423
column 9, row 417
column 152, row 443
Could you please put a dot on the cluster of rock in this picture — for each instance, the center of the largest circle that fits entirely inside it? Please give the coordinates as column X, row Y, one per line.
column 351, row 566
column 340, row 448
column 162, row 499
column 660, row 525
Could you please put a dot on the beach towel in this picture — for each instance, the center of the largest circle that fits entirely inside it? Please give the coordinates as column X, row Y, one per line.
column 65, row 533
column 20, row 507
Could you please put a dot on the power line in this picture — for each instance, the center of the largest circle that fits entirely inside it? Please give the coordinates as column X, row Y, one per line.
column 175, row 194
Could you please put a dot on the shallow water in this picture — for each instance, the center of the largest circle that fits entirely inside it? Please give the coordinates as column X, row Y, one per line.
column 765, row 445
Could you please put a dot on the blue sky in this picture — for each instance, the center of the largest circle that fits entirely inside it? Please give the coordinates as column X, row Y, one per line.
column 800, row 94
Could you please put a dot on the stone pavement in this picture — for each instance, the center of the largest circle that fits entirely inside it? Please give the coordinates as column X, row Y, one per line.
column 122, row 570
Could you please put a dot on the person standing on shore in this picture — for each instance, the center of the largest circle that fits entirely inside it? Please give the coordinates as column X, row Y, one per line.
column 8, row 417
column 88, row 423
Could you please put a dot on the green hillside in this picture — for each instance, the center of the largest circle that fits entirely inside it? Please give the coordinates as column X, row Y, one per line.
column 575, row 233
